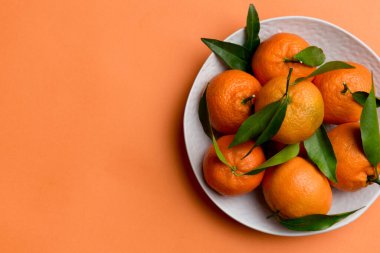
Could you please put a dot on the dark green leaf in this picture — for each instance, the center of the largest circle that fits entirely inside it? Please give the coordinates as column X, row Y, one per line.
column 283, row 156
column 274, row 125
column 314, row 222
column 252, row 30
column 311, row 56
column 206, row 124
column 233, row 55
column 203, row 115
column 255, row 124
column 327, row 67
column 361, row 96
column 369, row 129
column 320, row 151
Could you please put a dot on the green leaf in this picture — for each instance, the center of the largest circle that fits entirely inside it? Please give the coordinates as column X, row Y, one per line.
column 327, row 67
column 311, row 56
column 361, row 96
column 203, row 115
column 321, row 152
column 315, row 222
column 369, row 129
column 274, row 124
column 252, row 29
column 206, row 124
column 283, row 156
column 255, row 124
column 219, row 153
column 233, row 55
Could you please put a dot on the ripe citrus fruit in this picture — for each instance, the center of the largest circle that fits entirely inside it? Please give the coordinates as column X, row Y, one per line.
column 341, row 107
column 269, row 59
column 220, row 177
column 296, row 188
column 353, row 168
column 225, row 99
column 304, row 113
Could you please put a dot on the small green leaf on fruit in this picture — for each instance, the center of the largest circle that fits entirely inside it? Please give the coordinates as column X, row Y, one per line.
column 361, row 96
column 327, row 67
column 255, row 124
column 233, row 55
column 282, row 156
column 321, row 152
column 274, row 124
column 272, row 127
column 311, row 56
column 315, row 222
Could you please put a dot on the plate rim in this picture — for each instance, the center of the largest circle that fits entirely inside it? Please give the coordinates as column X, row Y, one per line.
column 343, row 223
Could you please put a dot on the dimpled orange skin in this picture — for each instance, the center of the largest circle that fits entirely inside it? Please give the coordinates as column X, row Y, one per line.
column 342, row 108
column 219, row 176
column 297, row 188
column 224, row 96
column 304, row 113
column 268, row 60
column 353, row 167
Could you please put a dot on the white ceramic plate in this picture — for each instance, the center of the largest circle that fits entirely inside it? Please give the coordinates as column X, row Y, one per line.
column 250, row 209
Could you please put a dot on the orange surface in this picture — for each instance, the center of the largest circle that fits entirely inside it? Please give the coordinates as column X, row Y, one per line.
column 91, row 101
column 296, row 189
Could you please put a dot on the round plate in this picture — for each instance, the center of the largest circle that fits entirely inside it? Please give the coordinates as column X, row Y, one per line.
column 250, row 209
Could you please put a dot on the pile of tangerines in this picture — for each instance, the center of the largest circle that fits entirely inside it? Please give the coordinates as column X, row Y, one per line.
column 296, row 187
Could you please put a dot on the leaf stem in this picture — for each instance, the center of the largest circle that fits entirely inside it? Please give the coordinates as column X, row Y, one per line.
column 345, row 89
column 292, row 60
column 374, row 180
column 249, row 152
column 288, row 82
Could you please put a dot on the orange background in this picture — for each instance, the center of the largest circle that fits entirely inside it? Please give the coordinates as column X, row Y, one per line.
column 92, row 95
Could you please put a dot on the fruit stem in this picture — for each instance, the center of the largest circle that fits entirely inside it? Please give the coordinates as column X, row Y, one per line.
column 246, row 100
column 345, row 89
column 234, row 171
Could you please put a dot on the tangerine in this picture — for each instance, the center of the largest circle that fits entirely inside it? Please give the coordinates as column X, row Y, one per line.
column 220, row 177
